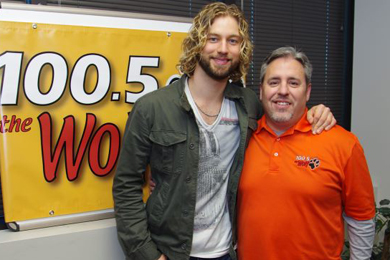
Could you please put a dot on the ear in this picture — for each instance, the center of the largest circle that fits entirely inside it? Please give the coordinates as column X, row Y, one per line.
column 261, row 92
column 308, row 91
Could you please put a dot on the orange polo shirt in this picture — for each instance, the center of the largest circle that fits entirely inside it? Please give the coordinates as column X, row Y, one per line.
column 293, row 190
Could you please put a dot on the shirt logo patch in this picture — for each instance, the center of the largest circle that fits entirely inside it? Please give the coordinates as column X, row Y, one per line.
column 306, row 161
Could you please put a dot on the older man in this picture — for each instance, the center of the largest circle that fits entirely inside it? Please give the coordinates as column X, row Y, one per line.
column 295, row 186
column 193, row 134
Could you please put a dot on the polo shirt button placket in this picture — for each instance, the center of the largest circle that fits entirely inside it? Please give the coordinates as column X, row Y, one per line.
column 275, row 156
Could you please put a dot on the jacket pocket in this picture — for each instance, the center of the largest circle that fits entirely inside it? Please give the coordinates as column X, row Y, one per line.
column 167, row 151
column 156, row 205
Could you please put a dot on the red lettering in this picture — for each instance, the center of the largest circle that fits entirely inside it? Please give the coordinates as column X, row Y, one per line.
column 14, row 121
column 73, row 160
column 94, row 149
column 14, row 124
column 26, row 123
column 302, row 163
column 3, row 123
column 65, row 142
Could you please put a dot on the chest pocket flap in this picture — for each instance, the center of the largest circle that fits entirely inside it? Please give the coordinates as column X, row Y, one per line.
column 167, row 138
column 168, row 151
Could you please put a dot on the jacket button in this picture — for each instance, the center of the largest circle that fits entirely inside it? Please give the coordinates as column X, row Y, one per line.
column 192, row 146
column 188, row 179
column 183, row 246
column 185, row 213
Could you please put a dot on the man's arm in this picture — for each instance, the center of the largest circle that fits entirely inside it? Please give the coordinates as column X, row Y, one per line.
column 361, row 235
column 130, row 214
column 320, row 118
column 359, row 205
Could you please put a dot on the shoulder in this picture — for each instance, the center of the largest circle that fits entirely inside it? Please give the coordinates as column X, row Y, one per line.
column 249, row 94
column 172, row 91
column 244, row 92
column 339, row 134
column 252, row 102
column 340, row 139
column 249, row 97
column 165, row 96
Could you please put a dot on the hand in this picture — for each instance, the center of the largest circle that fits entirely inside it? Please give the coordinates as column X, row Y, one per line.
column 320, row 117
column 163, row 257
column 152, row 184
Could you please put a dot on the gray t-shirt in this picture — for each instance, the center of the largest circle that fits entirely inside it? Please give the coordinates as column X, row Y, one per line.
column 218, row 145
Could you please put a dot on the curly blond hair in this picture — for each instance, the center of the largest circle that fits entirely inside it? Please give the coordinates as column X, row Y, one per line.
column 196, row 39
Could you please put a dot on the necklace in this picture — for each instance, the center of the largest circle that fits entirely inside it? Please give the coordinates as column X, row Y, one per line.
column 205, row 112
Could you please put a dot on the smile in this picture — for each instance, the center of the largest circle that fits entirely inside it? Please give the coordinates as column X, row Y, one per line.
column 282, row 103
column 221, row 61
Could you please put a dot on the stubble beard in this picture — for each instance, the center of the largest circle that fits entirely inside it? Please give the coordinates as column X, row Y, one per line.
column 281, row 116
column 215, row 73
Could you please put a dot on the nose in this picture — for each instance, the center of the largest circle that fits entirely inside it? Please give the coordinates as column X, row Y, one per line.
column 283, row 88
column 223, row 47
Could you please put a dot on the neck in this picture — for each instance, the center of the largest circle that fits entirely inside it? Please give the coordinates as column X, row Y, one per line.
column 206, row 89
column 278, row 127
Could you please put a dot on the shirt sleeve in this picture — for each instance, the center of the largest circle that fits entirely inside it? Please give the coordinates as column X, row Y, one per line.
column 130, row 214
column 361, row 235
column 357, row 191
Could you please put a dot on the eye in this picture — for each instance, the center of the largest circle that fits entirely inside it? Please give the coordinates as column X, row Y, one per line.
column 213, row 39
column 233, row 41
column 294, row 83
column 273, row 82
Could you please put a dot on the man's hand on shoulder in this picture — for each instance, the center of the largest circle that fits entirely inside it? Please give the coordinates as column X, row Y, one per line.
column 163, row 257
column 320, row 117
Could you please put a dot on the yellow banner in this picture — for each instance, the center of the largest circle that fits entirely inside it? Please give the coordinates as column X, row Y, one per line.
column 65, row 95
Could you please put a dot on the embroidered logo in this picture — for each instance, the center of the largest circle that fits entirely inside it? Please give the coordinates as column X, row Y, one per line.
column 314, row 163
column 306, row 161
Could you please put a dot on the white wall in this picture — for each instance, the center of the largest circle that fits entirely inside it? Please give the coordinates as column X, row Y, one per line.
column 95, row 240
column 371, row 88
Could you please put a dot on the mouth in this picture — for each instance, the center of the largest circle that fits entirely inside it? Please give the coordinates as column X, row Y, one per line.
column 221, row 61
column 282, row 104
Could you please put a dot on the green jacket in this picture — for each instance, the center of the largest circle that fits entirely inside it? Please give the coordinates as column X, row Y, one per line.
column 161, row 131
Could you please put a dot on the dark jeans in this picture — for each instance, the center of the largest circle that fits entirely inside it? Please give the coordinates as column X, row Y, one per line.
column 225, row 257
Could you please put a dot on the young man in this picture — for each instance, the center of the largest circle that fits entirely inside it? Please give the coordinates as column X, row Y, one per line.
column 193, row 134
column 295, row 186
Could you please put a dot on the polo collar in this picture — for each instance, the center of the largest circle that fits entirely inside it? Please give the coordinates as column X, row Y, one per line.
column 302, row 126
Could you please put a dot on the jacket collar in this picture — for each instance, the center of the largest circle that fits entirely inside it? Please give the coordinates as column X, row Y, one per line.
column 302, row 126
column 183, row 98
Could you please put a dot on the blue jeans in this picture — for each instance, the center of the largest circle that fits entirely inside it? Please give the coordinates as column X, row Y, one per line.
column 225, row 257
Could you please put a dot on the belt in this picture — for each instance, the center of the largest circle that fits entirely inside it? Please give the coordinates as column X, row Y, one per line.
column 225, row 257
